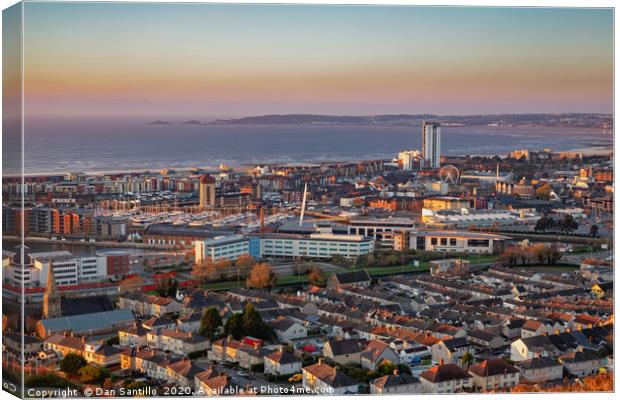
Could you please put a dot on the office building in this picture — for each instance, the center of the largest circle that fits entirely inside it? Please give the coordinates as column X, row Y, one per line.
column 449, row 241
column 431, row 143
column 409, row 160
column 221, row 247
column 378, row 227
column 67, row 268
column 316, row 245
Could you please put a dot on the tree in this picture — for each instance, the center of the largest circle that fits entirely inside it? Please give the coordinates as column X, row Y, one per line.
column 525, row 255
column 245, row 262
column 594, row 231
column 539, row 250
column 317, row 277
column 510, row 255
column 568, row 224
column 136, row 385
column 72, row 363
column 262, row 277
column 387, row 367
column 544, row 224
column 94, row 373
column 222, row 268
column 247, row 323
column 129, row 285
column 546, row 253
column 553, row 255
column 467, row 359
column 210, row 323
column 234, row 326
column 201, row 271
column 207, row 271
column 544, row 192
column 167, row 287
column 254, row 325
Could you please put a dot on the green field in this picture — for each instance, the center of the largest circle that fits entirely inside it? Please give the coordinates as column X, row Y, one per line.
column 373, row 271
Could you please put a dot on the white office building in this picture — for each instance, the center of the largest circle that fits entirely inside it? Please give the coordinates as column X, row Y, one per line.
column 229, row 247
column 316, row 245
column 409, row 158
column 431, row 143
column 68, row 269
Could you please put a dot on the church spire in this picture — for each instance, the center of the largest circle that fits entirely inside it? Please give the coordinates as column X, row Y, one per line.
column 51, row 279
column 51, row 298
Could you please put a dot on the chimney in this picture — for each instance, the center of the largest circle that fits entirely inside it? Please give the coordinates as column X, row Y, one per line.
column 441, row 361
column 281, row 348
column 320, row 361
column 395, row 372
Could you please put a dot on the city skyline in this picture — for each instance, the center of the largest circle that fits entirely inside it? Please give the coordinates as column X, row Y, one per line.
column 211, row 61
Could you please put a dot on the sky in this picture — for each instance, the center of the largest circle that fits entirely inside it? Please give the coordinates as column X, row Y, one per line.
column 207, row 61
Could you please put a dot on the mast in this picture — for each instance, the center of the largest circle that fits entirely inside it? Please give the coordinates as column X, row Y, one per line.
column 303, row 205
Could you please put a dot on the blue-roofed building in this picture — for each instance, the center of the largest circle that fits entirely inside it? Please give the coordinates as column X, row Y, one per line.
column 86, row 324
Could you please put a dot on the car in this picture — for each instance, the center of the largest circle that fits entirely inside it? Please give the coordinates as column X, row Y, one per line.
column 295, row 378
column 242, row 373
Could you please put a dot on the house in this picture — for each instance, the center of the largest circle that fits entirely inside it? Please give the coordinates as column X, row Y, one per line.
column 182, row 373
column 445, row 378
column 450, row 351
column 377, row 353
column 540, row 369
column 584, row 321
column 452, row 266
column 229, row 349
column 349, row 279
column 532, row 327
column 282, row 363
column 486, row 339
column 177, row 342
column 148, row 305
column 150, row 362
column 582, row 363
column 531, row 347
column 414, row 354
column 344, row 351
column 512, row 328
column 158, row 306
column 159, row 323
column 189, row 322
column 321, row 378
column 603, row 289
column 395, row 383
column 100, row 354
column 286, row 329
column 494, row 374
column 132, row 336
column 13, row 343
column 210, row 383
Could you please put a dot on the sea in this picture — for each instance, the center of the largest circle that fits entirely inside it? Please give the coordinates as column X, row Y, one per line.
column 97, row 146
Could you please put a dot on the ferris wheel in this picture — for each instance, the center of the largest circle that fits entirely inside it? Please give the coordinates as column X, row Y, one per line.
column 449, row 174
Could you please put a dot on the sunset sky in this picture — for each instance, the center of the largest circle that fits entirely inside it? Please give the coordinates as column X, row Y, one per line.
column 204, row 61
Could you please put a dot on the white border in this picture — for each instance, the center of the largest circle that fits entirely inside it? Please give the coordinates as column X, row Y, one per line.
column 489, row 3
